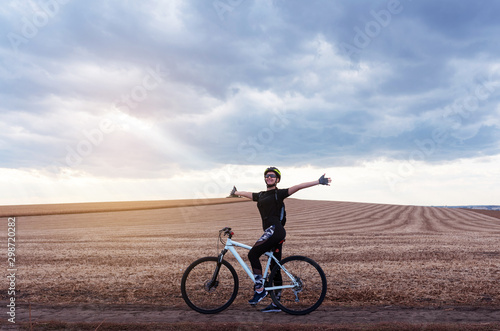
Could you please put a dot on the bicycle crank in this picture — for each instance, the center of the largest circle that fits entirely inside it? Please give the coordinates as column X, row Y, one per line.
column 298, row 288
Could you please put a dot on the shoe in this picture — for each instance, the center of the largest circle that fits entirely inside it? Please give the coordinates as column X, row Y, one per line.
column 257, row 297
column 272, row 308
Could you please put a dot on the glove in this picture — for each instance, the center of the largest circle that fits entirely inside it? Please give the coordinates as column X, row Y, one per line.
column 324, row 181
column 233, row 191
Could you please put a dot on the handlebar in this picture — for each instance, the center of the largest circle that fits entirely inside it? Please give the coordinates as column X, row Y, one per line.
column 226, row 232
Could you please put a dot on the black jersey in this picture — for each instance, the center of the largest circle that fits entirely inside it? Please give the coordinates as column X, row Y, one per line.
column 270, row 205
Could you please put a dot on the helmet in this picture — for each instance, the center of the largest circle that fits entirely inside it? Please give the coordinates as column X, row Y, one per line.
column 275, row 170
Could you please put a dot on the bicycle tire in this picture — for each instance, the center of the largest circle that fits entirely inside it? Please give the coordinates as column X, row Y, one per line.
column 199, row 295
column 310, row 293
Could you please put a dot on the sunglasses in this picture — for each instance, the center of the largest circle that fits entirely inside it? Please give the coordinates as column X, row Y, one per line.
column 270, row 176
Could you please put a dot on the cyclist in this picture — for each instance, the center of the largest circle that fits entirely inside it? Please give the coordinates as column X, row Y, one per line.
column 272, row 211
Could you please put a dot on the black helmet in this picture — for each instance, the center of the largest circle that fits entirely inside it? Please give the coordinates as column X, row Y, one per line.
column 275, row 170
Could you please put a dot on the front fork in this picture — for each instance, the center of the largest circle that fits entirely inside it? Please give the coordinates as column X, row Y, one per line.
column 213, row 282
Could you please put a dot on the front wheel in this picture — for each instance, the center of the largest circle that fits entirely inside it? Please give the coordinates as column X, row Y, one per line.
column 308, row 283
column 206, row 289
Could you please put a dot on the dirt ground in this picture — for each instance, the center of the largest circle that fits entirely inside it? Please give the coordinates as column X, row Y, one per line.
column 250, row 318
column 388, row 267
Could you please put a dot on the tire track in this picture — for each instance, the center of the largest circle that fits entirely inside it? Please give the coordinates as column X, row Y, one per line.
column 463, row 221
column 352, row 217
column 248, row 318
column 398, row 219
column 429, row 224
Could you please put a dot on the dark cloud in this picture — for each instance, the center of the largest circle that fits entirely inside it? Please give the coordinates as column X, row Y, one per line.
column 230, row 73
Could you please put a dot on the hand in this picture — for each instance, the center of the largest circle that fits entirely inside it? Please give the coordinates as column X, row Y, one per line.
column 233, row 191
column 325, row 181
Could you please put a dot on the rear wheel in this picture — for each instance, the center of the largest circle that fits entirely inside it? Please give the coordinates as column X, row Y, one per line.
column 205, row 293
column 309, row 285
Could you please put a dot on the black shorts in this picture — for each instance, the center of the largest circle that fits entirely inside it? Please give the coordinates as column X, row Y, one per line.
column 271, row 239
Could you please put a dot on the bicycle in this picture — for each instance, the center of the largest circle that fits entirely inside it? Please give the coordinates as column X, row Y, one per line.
column 210, row 284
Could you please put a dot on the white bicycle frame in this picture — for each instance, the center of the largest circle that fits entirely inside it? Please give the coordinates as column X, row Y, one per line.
column 230, row 246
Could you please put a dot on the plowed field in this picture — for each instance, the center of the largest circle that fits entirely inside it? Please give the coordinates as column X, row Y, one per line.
column 373, row 255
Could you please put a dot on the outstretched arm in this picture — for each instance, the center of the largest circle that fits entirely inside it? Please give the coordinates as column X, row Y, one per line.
column 241, row 193
column 322, row 180
column 244, row 194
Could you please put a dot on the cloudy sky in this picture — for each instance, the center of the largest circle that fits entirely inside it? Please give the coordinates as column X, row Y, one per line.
column 397, row 101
